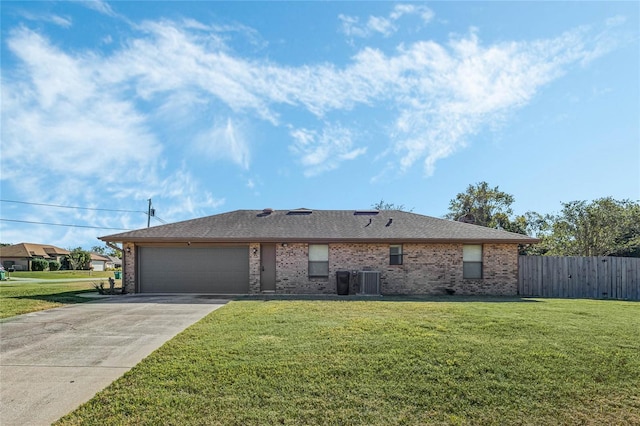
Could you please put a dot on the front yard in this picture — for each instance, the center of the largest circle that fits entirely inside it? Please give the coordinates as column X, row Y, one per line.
column 437, row 361
column 56, row 275
column 23, row 297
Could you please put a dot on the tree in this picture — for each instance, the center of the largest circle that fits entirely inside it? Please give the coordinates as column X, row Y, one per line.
column 484, row 206
column 78, row 258
column 383, row 205
column 99, row 249
column 603, row 227
column 107, row 251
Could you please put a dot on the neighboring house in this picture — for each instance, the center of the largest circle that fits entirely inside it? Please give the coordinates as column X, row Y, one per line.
column 19, row 256
column 113, row 262
column 99, row 261
column 303, row 251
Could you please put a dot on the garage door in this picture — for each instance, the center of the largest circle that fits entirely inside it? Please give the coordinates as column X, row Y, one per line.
column 194, row 269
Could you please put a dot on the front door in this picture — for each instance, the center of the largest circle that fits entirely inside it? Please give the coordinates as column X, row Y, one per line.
column 267, row 267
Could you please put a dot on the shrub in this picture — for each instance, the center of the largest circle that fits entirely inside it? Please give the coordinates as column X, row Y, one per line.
column 39, row 265
column 54, row 265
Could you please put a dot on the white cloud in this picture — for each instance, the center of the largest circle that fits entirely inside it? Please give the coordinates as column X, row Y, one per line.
column 99, row 6
column 82, row 117
column 323, row 151
column 61, row 21
column 85, row 135
column 401, row 10
column 351, row 26
column 225, row 141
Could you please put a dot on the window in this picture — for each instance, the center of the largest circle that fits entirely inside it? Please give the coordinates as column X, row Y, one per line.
column 472, row 261
column 318, row 260
column 395, row 254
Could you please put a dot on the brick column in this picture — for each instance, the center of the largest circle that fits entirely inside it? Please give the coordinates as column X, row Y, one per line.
column 129, row 267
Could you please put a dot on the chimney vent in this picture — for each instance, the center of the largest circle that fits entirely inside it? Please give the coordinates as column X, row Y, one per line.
column 389, row 223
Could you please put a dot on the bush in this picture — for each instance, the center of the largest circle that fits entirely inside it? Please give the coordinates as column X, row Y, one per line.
column 54, row 265
column 39, row 265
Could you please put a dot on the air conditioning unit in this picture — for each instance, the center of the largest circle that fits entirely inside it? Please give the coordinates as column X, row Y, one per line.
column 369, row 282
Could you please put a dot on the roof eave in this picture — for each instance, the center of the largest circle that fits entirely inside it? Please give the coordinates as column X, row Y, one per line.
column 319, row 240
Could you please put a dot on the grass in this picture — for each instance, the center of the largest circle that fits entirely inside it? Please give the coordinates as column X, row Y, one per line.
column 22, row 298
column 388, row 363
column 53, row 275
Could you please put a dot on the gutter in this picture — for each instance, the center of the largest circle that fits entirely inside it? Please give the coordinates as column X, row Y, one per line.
column 111, row 245
column 183, row 240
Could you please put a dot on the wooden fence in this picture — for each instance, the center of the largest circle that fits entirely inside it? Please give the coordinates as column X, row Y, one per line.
column 579, row 277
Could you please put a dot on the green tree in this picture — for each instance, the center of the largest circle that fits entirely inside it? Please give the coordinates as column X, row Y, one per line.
column 484, row 206
column 78, row 258
column 107, row 251
column 383, row 205
column 603, row 227
column 99, row 249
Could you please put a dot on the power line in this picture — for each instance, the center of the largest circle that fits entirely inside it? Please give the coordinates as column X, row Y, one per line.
column 162, row 221
column 72, row 207
column 61, row 224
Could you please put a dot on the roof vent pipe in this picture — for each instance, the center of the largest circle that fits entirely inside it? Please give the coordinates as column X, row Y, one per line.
column 389, row 223
column 267, row 211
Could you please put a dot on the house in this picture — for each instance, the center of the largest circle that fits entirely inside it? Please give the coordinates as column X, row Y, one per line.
column 113, row 262
column 19, row 256
column 306, row 251
column 99, row 262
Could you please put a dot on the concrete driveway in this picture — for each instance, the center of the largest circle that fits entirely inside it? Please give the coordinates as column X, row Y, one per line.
column 52, row 361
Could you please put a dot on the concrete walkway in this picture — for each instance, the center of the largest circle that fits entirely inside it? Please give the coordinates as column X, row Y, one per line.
column 52, row 361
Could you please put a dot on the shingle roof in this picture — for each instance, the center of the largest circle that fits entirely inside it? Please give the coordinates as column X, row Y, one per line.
column 304, row 225
column 99, row 257
column 24, row 250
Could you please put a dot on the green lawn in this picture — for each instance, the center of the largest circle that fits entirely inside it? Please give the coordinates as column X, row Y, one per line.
column 388, row 363
column 21, row 298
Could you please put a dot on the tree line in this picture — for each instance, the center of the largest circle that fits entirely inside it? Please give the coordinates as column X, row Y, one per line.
column 78, row 258
column 602, row 227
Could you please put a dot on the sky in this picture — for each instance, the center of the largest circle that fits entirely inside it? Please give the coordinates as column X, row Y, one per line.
column 209, row 107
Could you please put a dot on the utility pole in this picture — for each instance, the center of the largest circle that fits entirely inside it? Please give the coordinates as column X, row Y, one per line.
column 151, row 212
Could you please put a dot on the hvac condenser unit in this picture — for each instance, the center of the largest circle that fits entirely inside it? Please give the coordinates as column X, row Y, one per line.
column 369, row 282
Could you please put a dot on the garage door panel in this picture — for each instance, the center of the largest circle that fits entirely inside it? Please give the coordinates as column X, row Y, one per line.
column 194, row 269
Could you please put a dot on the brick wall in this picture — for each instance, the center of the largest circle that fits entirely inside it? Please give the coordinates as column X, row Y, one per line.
column 254, row 268
column 426, row 269
column 129, row 267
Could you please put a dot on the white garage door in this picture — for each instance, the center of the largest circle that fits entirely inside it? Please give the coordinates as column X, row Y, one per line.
column 97, row 266
column 218, row 270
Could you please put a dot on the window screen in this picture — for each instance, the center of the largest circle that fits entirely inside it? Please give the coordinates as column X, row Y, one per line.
column 318, row 260
column 395, row 254
column 472, row 261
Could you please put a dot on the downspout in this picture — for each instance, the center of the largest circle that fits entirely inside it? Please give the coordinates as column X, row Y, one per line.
column 113, row 246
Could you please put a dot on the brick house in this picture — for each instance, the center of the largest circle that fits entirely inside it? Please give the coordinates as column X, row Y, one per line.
column 320, row 252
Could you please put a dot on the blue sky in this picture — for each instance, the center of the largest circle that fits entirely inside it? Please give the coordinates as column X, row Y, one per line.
column 207, row 107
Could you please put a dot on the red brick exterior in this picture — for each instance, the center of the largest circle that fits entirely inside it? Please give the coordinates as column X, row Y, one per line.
column 426, row 269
